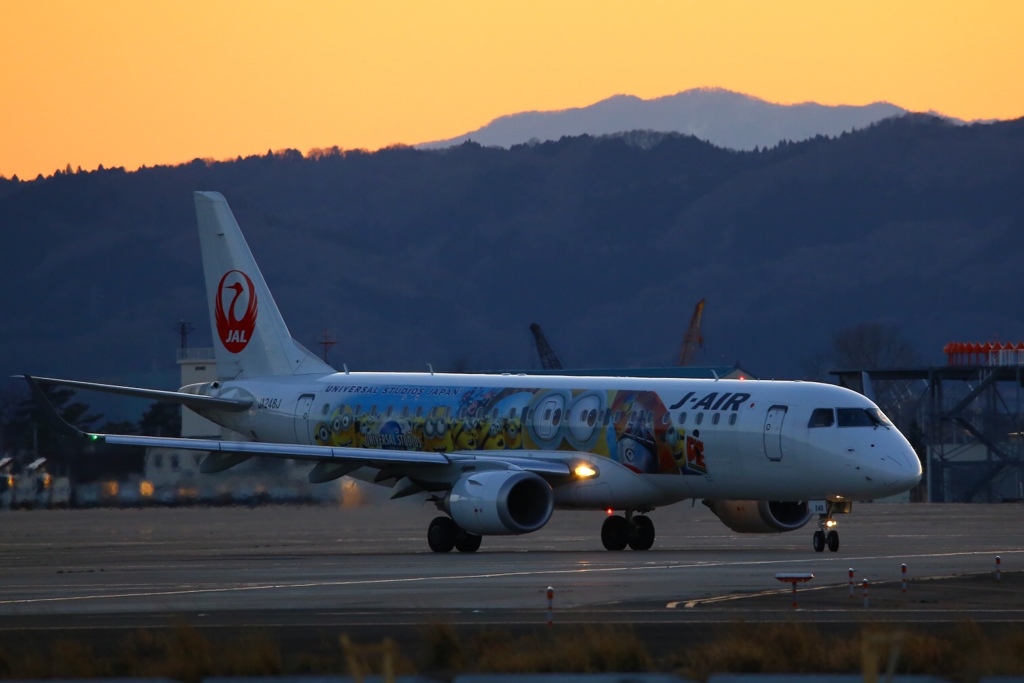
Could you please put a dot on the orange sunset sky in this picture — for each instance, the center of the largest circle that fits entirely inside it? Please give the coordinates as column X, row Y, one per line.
column 144, row 82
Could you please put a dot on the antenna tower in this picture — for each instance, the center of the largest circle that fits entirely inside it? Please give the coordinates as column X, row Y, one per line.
column 327, row 340
column 183, row 328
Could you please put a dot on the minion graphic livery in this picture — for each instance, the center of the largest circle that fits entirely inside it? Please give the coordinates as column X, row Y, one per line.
column 343, row 427
column 437, row 433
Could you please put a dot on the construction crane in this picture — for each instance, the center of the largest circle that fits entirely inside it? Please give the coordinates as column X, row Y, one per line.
column 692, row 339
column 548, row 357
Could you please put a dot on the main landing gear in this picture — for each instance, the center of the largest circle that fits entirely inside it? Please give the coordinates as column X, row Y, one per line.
column 636, row 531
column 444, row 534
column 826, row 533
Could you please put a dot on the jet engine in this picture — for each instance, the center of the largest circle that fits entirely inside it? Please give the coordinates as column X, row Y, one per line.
column 760, row 516
column 500, row 502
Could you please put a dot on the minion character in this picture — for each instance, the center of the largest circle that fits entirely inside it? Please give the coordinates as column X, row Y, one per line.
column 343, row 427
column 513, row 433
column 437, row 433
column 367, row 429
column 481, row 429
column 675, row 441
column 322, row 434
column 464, row 434
column 495, row 438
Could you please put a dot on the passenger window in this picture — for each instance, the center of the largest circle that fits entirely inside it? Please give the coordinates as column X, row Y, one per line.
column 557, row 416
column 822, row 417
column 732, row 419
column 665, row 418
column 682, row 418
column 715, row 418
column 592, row 417
column 327, row 406
column 700, row 418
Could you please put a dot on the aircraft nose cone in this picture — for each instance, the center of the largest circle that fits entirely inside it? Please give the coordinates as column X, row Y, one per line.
column 904, row 467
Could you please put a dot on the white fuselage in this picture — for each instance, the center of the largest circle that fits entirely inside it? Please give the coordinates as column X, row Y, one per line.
column 653, row 441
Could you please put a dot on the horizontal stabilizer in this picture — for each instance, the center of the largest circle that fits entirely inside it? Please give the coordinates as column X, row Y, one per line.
column 179, row 397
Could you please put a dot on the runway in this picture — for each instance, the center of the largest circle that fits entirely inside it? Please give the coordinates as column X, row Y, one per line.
column 309, row 566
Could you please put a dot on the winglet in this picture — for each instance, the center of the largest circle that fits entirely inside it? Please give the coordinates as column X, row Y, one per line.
column 51, row 413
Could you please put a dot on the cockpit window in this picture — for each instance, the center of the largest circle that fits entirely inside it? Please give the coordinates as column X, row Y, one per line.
column 880, row 416
column 862, row 417
column 822, row 417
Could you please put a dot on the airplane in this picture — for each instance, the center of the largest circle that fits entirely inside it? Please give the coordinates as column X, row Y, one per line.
column 497, row 454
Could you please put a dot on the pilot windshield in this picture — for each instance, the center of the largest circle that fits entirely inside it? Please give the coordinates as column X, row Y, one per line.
column 848, row 417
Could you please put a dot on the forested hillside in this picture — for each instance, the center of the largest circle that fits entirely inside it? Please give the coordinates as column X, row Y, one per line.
column 412, row 256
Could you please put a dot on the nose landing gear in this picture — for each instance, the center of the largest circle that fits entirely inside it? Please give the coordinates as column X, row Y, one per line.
column 826, row 535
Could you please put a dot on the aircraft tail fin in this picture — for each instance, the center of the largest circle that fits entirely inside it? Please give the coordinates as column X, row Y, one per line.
column 251, row 338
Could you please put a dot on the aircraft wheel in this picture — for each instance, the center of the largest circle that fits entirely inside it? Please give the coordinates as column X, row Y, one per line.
column 833, row 540
column 819, row 541
column 615, row 532
column 441, row 534
column 466, row 542
column 641, row 535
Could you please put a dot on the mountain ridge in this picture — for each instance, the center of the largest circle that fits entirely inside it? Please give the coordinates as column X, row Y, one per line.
column 723, row 117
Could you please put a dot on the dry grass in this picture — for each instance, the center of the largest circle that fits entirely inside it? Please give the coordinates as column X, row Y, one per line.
column 964, row 652
column 181, row 653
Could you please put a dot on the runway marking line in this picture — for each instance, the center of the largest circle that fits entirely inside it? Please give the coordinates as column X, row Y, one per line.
column 489, row 575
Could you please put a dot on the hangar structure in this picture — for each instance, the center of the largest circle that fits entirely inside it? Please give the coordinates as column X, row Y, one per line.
column 965, row 419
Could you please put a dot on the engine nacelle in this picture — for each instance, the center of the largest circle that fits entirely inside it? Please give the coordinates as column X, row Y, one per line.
column 500, row 502
column 760, row 516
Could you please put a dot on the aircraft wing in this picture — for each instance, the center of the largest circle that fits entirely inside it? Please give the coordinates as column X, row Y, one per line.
column 190, row 400
column 279, row 450
column 314, row 453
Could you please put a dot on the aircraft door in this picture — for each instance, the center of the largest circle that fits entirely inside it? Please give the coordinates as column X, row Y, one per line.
column 302, row 430
column 773, row 432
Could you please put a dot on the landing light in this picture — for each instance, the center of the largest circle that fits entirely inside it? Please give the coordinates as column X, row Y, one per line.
column 830, row 523
column 585, row 471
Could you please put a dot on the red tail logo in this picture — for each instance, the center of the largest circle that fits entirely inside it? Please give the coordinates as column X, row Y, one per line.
column 234, row 331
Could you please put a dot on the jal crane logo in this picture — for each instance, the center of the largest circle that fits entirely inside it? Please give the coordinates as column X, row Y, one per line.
column 235, row 331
